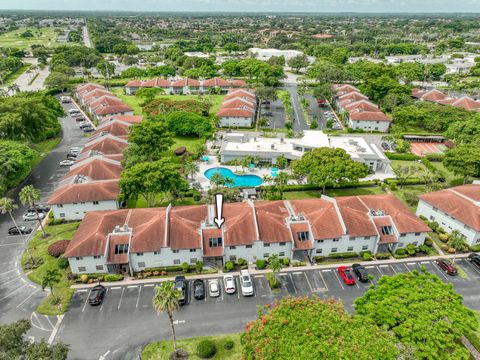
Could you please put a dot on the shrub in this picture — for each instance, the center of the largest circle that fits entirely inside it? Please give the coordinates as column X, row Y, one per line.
column 475, row 248
column 286, row 261
column 428, row 241
column 260, row 264
column 406, row 157
column 382, row 256
column 185, row 267
column 424, row 248
column 62, row 263
column 229, row 344
column 113, row 277
column 58, row 248
column 319, row 259
column 410, row 249
column 84, row 278
column 367, row 256
column 400, row 252
column 423, row 218
column 206, row 349
column 298, row 263
column 347, row 255
column 241, row 262
column 433, row 225
column 444, row 237
column 198, row 266
column 229, row 266
column 272, row 281
column 451, row 250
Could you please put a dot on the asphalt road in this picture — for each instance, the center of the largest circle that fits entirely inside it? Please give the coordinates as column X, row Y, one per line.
column 126, row 320
column 18, row 296
column 299, row 123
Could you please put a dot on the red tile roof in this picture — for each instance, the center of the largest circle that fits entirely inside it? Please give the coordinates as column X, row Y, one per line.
column 301, row 245
column 230, row 112
column 271, row 219
column 114, row 127
column 461, row 203
column 433, row 95
column 216, row 82
column 148, row 229
column 241, row 93
column 107, row 144
column 239, row 227
column 132, row 119
column 352, row 96
column 362, row 104
column 208, row 234
column 96, row 168
column 184, row 226
column 359, row 115
column 89, row 191
column 186, row 82
column 238, row 103
column 238, row 83
column 467, row 103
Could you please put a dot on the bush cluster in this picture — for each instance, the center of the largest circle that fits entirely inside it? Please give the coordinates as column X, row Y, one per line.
column 382, row 256
column 206, row 349
column 260, row 264
column 58, row 248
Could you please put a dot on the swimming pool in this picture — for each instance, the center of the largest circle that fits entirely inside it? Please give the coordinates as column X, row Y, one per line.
column 238, row 180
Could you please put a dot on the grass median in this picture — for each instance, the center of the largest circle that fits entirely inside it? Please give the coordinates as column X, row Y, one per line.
column 163, row 349
column 38, row 248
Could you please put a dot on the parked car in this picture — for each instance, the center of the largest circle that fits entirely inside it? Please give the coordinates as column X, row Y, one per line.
column 361, row 272
column 97, row 294
column 474, row 258
column 246, row 283
column 213, row 288
column 199, row 289
column 66, row 162
column 74, row 111
column 88, row 129
column 181, row 285
column 30, row 216
column 80, row 119
column 71, row 157
column 20, row 230
column 229, row 284
column 346, row 275
column 40, row 208
column 267, row 113
column 385, row 146
column 65, row 99
column 85, row 125
column 447, row 266
column 76, row 149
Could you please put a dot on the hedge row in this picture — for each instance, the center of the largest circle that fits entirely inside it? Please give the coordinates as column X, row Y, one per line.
column 310, row 187
column 406, row 157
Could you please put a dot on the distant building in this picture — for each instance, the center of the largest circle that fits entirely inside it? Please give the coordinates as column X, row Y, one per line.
column 265, row 54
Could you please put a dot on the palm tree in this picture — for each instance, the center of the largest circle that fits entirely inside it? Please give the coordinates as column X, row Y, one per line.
column 217, row 179
column 266, row 179
column 28, row 196
column 167, row 298
column 281, row 181
column 51, row 278
column 191, row 168
column 457, row 241
column 275, row 265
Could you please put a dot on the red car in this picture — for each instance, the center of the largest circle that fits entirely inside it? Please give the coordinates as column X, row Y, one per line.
column 346, row 275
column 447, row 266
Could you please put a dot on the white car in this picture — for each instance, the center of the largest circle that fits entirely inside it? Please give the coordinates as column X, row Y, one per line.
column 30, row 216
column 67, row 162
column 74, row 111
column 76, row 149
column 229, row 284
column 213, row 288
column 65, row 99
column 246, row 283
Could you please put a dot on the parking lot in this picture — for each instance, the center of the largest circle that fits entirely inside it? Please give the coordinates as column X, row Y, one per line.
column 127, row 310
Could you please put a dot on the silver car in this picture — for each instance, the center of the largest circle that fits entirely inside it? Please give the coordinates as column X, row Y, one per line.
column 246, row 283
column 30, row 216
column 213, row 288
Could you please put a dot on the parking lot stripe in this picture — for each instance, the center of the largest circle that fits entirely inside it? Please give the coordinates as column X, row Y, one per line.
column 411, row 263
column 324, row 283
column 149, row 285
column 407, row 267
column 440, row 271
column 369, row 267
column 297, row 273
column 385, row 265
column 291, row 279
column 424, row 262
column 472, row 266
column 116, row 288
column 380, row 271
column 395, row 271
column 238, row 287
column 132, row 286
column 86, row 300
column 308, row 282
column 13, row 292
column 327, row 270
column 82, row 290
column 29, row 296
column 138, row 297
column 121, row 297
column 9, row 271
column 9, row 281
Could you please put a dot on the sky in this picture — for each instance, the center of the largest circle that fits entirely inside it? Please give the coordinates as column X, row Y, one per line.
column 380, row 6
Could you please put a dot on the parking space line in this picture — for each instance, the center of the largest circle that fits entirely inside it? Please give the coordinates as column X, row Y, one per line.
column 424, row 262
column 324, row 282
column 411, row 263
column 148, row 285
column 238, row 287
column 435, row 265
column 384, row 265
column 116, row 288
column 13, row 292
column 121, row 298
column 395, row 271
column 472, row 266
column 82, row 290
column 327, row 270
column 297, row 273
column 259, row 276
column 308, row 282
column 369, row 267
column 9, row 271
column 103, row 302
column 336, row 276
column 380, row 271
column 408, row 270
column 138, row 297
column 291, row 279
column 86, row 300
column 29, row 296
column 132, row 286
column 9, row 281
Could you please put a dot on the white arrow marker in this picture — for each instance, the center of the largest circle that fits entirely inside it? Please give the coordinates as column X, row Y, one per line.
column 219, row 220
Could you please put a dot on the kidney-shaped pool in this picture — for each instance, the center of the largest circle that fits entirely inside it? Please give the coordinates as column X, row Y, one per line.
column 238, row 180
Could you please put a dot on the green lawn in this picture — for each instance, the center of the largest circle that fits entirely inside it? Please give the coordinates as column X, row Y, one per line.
column 13, row 76
column 44, row 148
column 373, row 190
column 295, row 195
column 162, row 350
column 39, row 249
column 44, row 36
column 449, row 176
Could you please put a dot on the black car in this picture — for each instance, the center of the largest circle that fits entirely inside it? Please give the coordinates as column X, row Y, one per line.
column 361, row 272
column 181, row 284
column 80, row 118
column 40, row 208
column 199, row 289
column 88, row 129
column 96, row 295
column 474, row 258
column 85, row 125
column 20, row 230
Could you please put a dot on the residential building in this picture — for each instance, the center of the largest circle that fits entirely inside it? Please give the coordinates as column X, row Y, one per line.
column 238, row 109
column 106, row 144
column 457, row 208
column 436, row 96
column 131, row 240
column 79, row 194
column 96, row 167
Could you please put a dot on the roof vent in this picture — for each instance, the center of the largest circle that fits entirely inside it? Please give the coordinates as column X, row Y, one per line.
column 117, row 229
column 125, row 228
column 378, row 212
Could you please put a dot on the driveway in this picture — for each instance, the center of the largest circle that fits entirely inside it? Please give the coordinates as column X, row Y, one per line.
column 126, row 320
column 18, row 296
column 299, row 123
column 36, row 77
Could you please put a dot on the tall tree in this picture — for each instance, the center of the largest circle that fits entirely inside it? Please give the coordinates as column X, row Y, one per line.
column 29, row 196
column 464, row 160
column 50, row 279
column 298, row 62
column 6, row 207
column 166, row 299
column 422, row 311
column 191, row 168
column 457, row 242
column 328, row 167
column 275, row 265
column 151, row 138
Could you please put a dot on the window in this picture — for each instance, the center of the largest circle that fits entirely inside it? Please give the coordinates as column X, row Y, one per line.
column 403, row 235
column 62, row 214
column 352, row 238
column 334, row 250
column 176, row 262
column 97, row 257
column 74, row 203
column 59, row 205
column 99, row 267
column 319, row 251
column 215, row 242
column 248, row 246
column 95, row 203
column 350, row 248
column 281, row 253
column 121, row 249
column 319, row 241
column 417, row 234
column 303, row 236
column 79, row 258
column 432, row 217
column 415, row 243
column 175, row 251
column 140, row 254
column 193, row 260
column 365, row 247
column 283, row 244
column 156, row 252
column 84, row 203
column 367, row 237
column 233, row 247
column 233, row 257
column 193, row 250
column 478, row 241
column 141, row 264
column 82, row 269
column 266, row 245
column 386, row 230
column 266, row 255
column 336, row 240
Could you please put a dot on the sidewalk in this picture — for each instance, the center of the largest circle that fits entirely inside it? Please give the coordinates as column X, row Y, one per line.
column 253, row 271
